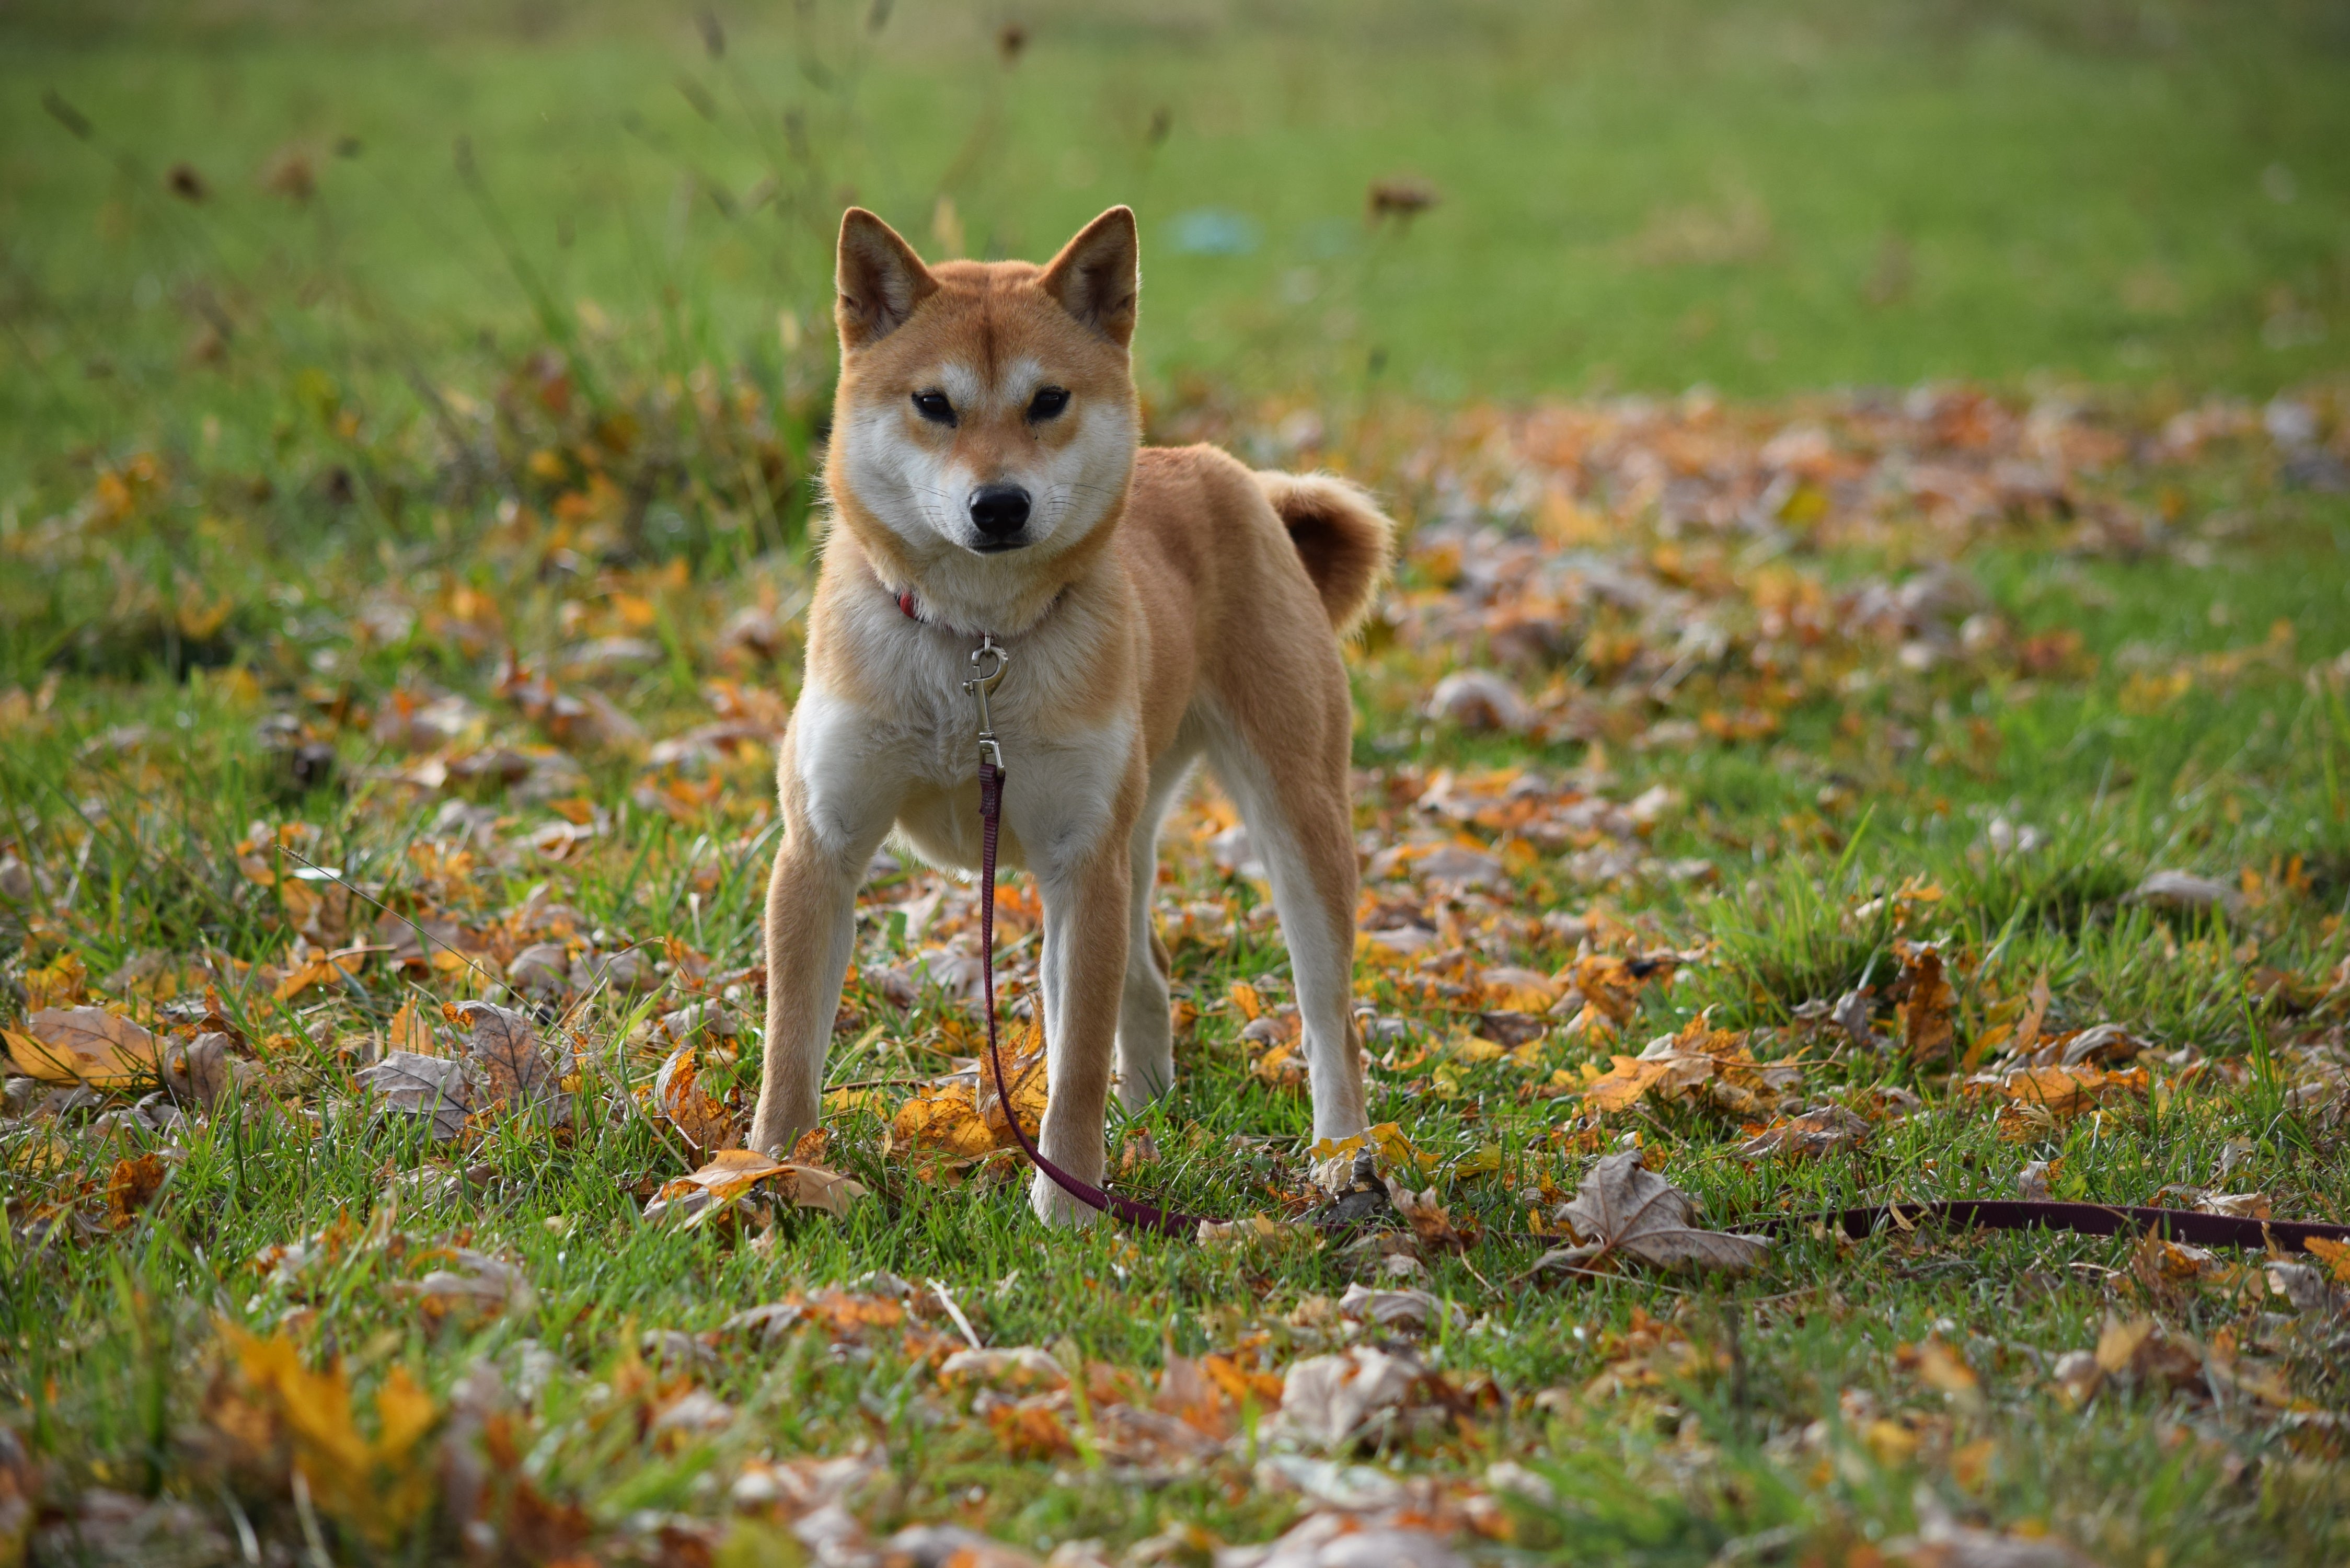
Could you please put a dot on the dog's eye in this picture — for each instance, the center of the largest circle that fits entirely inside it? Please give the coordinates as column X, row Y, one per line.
column 1049, row 402
column 934, row 407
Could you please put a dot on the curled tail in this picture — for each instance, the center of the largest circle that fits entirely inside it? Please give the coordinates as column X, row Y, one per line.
column 1343, row 537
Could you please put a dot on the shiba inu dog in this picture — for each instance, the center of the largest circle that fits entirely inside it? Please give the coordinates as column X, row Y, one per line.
column 1159, row 607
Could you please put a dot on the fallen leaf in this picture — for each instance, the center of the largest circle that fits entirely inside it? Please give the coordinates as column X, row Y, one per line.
column 1519, row 991
column 200, row 1072
column 2335, row 1255
column 705, row 1121
column 943, row 1119
column 1337, row 1539
column 1628, row 1078
column 1626, row 1207
column 274, row 1406
column 1822, row 1130
column 503, row 1046
column 131, row 1188
column 420, row 1085
column 83, row 1045
column 478, row 1281
column 1927, row 1030
column 1413, row 1310
column 1941, row 1543
column 2119, row 1345
column 2185, row 890
column 319, row 967
column 1941, row 1368
column 1019, row 1367
column 1333, row 1399
column 732, row 1173
column 1024, row 1073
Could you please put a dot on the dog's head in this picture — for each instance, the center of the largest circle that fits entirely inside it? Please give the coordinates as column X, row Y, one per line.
column 986, row 420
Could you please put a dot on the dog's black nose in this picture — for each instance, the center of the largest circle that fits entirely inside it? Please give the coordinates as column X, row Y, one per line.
column 999, row 512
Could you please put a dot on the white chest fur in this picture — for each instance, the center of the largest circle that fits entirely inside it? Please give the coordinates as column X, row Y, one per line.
column 905, row 750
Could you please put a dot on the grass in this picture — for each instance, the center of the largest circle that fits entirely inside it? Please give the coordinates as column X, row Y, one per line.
column 397, row 503
column 1757, row 198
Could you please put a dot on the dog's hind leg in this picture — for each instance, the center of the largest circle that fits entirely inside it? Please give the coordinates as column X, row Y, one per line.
column 1146, row 1034
column 1295, row 806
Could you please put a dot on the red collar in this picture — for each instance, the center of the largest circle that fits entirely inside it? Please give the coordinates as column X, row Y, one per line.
column 911, row 607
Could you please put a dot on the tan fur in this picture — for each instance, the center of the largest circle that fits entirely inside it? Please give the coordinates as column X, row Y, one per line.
column 1341, row 535
column 1175, row 606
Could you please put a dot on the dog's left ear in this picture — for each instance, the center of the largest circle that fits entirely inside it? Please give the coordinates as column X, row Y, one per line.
column 1095, row 277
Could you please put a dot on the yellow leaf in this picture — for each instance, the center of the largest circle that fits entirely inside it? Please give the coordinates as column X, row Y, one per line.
column 2119, row 1345
column 1478, row 1162
column 945, row 1120
column 404, row 1412
column 1518, row 990
column 1332, row 1148
column 1244, row 997
column 83, row 1045
column 1281, row 1066
column 1971, row 1466
column 63, row 982
column 1623, row 1084
column 2335, row 1255
column 1941, row 1367
column 1023, row 1060
column 411, row 1031
column 1892, row 1443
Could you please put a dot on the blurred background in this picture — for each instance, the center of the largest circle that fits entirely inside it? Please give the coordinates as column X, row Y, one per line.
column 317, row 293
column 1455, row 201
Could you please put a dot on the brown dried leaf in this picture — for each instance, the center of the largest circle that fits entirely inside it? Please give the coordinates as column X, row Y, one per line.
column 1821, row 1130
column 503, row 1045
column 83, row 1045
column 1628, row 1209
column 131, row 1188
column 199, row 1073
column 734, row 1172
column 702, row 1120
column 1927, row 1032
column 421, row 1085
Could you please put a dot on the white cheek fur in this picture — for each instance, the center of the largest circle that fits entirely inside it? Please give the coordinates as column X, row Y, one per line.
column 917, row 494
column 1074, row 486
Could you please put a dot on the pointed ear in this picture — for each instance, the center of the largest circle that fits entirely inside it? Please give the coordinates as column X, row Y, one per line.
column 1095, row 277
column 880, row 280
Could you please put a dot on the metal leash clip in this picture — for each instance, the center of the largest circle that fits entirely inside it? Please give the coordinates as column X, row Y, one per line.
column 980, row 683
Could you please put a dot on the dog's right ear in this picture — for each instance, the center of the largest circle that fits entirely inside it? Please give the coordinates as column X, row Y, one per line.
column 880, row 280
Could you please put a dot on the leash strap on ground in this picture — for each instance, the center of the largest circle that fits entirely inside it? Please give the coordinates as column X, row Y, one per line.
column 1144, row 1216
column 2081, row 1219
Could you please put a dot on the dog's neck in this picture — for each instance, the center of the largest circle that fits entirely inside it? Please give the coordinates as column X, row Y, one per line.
column 1002, row 594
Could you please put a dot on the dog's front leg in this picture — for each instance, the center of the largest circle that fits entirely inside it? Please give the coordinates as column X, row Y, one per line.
column 811, row 934
column 1084, row 976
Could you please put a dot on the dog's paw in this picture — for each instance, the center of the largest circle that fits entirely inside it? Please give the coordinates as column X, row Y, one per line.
column 1056, row 1207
